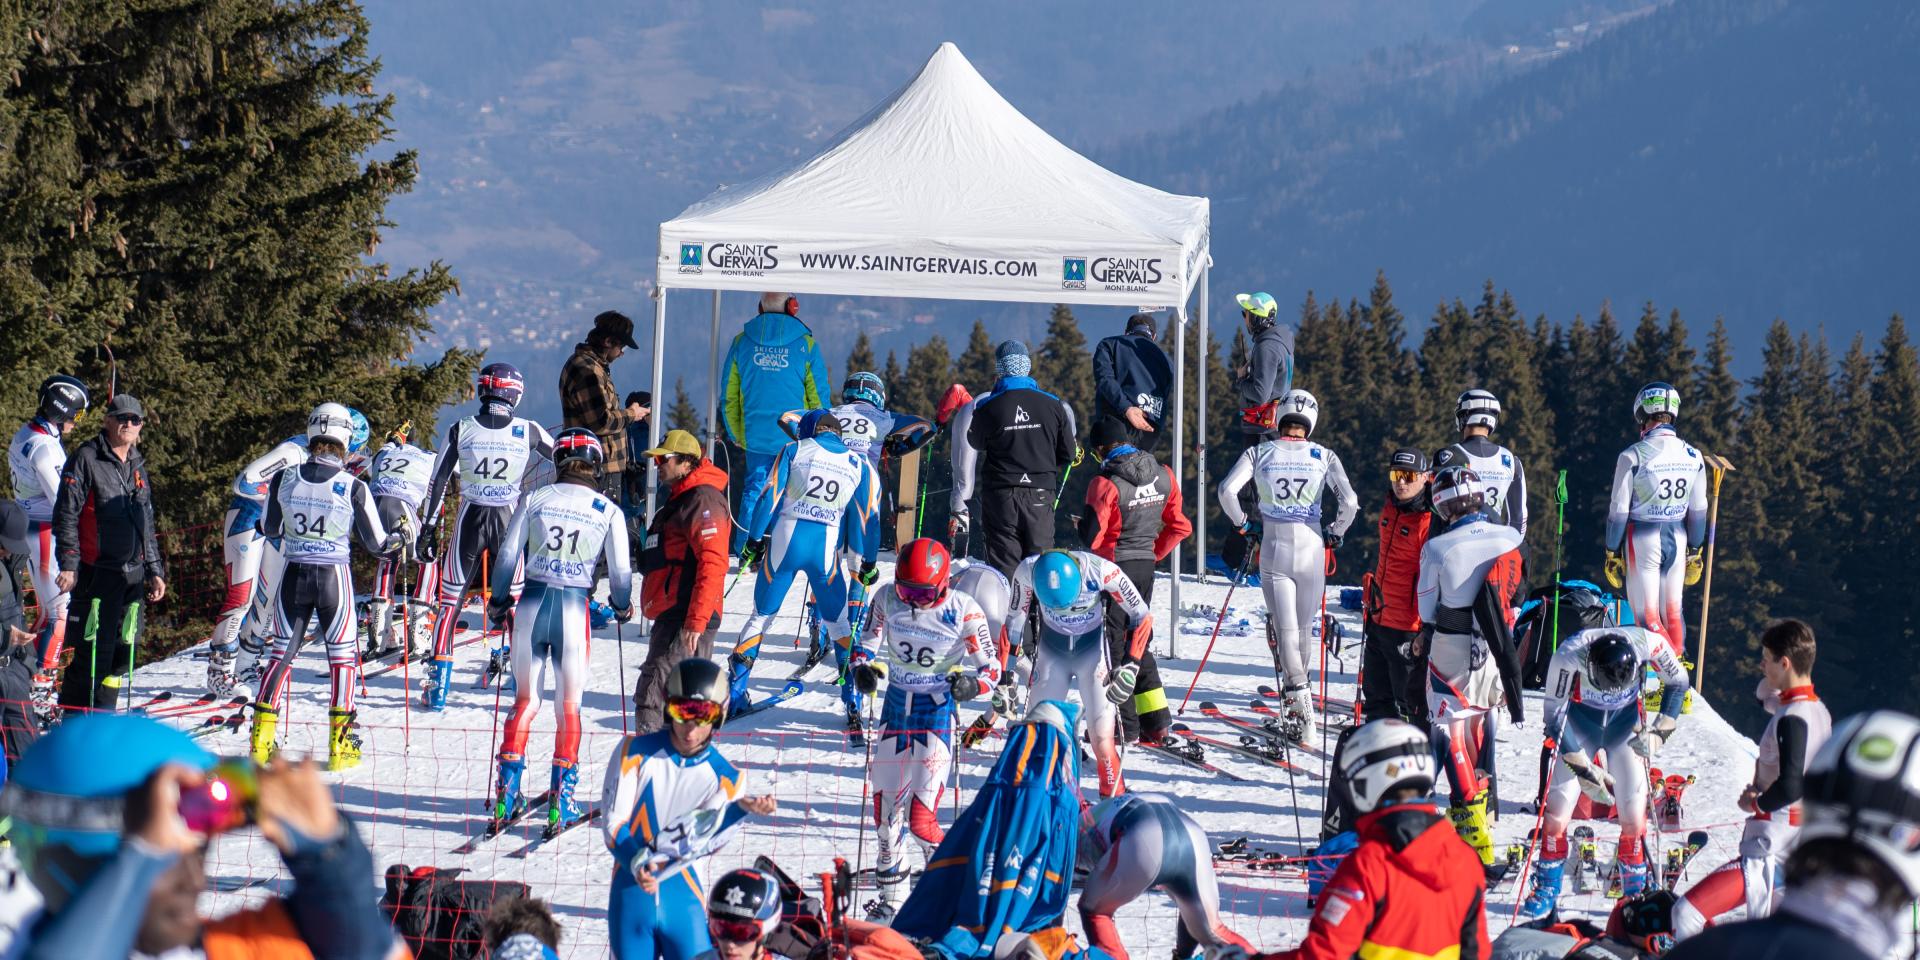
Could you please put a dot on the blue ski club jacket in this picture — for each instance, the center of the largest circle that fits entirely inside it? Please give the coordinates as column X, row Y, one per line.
column 773, row 366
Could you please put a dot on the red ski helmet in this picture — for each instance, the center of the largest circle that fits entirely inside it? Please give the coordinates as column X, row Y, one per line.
column 920, row 576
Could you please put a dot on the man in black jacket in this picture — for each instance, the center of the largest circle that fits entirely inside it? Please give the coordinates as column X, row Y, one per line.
column 1019, row 437
column 1132, row 379
column 109, row 555
column 17, row 730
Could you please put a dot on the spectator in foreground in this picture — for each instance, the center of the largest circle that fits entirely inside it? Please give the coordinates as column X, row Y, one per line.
column 683, row 561
column 99, row 810
column 17, row 653
column 1132, row 379
column 773, row 366
column 109, row 555
column 588, row 399
column 522, row 928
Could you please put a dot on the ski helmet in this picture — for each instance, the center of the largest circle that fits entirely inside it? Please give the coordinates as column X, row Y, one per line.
column 743, row 907
column 62, row 398
column 1260, row 308
column 578, row 443
column 1457, row 492
column 1383, row 756
column 1476, row 407
column 1863, row 786
column 361, row 430
column 67, row 793
column 1656, row 398
column 1299, row 406
column 1056, row 579
column 920, row 578
column 697, row 678
column 864, row 387
column 816, row 422
column 1612, row 663
column 500, row 383
column 332, row 421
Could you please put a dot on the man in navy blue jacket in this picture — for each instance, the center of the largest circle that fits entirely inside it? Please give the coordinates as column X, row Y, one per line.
column 1132, row 379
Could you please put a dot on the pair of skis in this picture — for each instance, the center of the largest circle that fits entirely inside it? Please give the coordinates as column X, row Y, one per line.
column 498, row 825
column 1257, row 741
column 220, row 717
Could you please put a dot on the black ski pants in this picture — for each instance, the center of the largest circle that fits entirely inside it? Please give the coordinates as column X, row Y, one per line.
column 1015, row 523
column 1146, row 715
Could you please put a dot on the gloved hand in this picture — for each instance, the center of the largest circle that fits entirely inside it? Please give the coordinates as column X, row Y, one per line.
column 1251, row 530
column 1331, row 539
column 427, row 548
column 1596, row 783
column 869, row 574
column 497, row 613
column 752, row 552
column 623, row 614
column 390, row 547
column 1120, row 684
column 1652, row 734
column 46, row 694
column 958, row 525
column 1696, row 565
column 1004, row 699
column 963, row 685
column 1616, row 570
column 1078, row 455
column 867, row 674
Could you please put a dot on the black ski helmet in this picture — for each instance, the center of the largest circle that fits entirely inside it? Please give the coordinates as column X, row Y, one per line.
column 578, row 443
column 748, row 896
column 1458, row 492
column 697, row 678
column 62, row 398
column 1612, row 663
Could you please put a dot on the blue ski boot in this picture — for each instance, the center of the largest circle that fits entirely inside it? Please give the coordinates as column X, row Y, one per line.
column 508, row 801
column 563, row 809
column 499, row 668
column 1547, row 877
column 439, row 676
column 739, row 669
column 1633, row 877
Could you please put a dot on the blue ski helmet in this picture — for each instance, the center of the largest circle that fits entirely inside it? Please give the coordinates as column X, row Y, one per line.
column 361, row 431
column 864, row 387
column 1056, row 579
column 500, row 383
column 67, row 796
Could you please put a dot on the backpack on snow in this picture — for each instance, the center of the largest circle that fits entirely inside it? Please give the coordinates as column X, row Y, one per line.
column 439, row 915
column 1582, row 605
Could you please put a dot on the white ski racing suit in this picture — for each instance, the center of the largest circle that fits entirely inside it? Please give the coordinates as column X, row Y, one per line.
column 399, row 476
column 1463, row 680
column 36, row 458
column 1658, row 509
column 491, row 451
column 253, row 564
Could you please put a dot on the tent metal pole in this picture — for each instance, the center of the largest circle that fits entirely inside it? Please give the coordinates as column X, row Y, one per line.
column 1205, row 346
column 659, row 371
column 713, row 381
column 1179, row 463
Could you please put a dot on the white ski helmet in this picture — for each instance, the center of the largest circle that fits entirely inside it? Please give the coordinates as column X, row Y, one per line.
column 1299, row 406
column 333, row 421
column 1655, row 398
column 1864, row 786
column 1457, row 491
column 1383, row 756
column 1476, row 407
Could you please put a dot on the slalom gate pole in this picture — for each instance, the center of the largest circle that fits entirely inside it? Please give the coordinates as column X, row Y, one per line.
column 1322, row 626
column 1252, row 552
column 920, row 511
column 1720, row 467
column 1559, row 532
column 130, row 634
column 406, row 654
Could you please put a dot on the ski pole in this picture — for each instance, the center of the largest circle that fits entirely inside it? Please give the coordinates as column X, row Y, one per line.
column 1559, row 532
column 1526, row 863
column 1065, row 475
column 1330, row 568
column 406, row 655
column 1720, row 467
column 1252, row 551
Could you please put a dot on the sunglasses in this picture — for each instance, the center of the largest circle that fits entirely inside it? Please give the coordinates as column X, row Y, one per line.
column 918, row 596
column 694, row 711
column 1405, row 476
column 734, row 931
column 129, row 419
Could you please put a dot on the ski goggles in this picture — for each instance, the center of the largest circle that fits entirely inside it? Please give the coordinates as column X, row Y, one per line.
column 1406, row 476
column 734, row 930
column 919, row 596
column 694, row 711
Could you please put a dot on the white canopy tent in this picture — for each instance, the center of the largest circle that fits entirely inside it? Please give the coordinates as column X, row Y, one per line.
column 946, row 191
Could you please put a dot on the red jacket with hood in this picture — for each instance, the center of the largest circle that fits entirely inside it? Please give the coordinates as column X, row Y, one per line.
column 684, row 558
column 1392, row 590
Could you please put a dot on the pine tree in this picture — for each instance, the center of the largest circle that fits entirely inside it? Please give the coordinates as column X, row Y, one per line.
column 1064, row 367
column 1510, row 369
column 929, row 373
column 861, row 356
column 683, row 415
column 975, row 369
column 1712, row 413
column 1885, row 588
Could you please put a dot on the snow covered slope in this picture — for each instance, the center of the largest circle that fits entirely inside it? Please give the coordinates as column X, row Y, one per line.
column 427, row 777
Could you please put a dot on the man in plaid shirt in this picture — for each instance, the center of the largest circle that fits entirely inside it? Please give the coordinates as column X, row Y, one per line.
column 587, row 396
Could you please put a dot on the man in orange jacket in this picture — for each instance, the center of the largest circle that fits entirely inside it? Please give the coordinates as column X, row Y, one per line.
column 1413, row 890
column 1390, row 675
column 683, row 563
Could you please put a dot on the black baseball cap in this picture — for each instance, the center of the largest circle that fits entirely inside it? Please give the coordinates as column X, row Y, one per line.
column 615, row 326
column 125, row 404
column 1409, row 458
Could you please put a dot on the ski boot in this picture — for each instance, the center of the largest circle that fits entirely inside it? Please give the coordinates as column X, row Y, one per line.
column 1299, row 704
column 343, row 745
column 419, row 631
column 739, row 669
column 508, row 801
column 1543, row 900
column 892, row 882
column 562, row 809
column 433, row 692
column 856, row 729
column 1470, row 821
column 266, row 722
column 499, row 669
column 379, row 628
column 220, row 673
column 1631, row 875
column 248, row 672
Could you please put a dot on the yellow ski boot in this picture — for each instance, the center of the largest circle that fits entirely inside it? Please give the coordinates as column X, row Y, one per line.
column 343, row 745
column 1470, row 821
column 266, row 722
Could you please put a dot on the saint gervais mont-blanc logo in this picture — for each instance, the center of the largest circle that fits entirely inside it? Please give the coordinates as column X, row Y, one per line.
column 691, row 257
column 752, row 259
column 1073, row 273
column 1131, row 274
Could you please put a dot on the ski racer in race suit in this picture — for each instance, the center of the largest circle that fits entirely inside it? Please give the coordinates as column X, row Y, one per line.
column 1291, row 474
column 1070, row 653
column 821, row 496
column 1135, row 842
column 1593, row 708
column 558, row 533
column 1503, row 478
column 772, row 366
column 1411, row 890
column 933, row 647
column 1020, row 437
column 1659, row 507
column 671, row 802
column 491, row 450
column 1474, row 557
column 311, row 511
column 1798, row 725
column 36, row 458
column 868, row 428
column 399, row 475
column 254, row 565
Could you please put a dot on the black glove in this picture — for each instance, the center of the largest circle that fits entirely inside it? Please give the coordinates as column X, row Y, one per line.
column 427, row 548
column 751, row 554
column 623, row 614
column 869, row 574
column 962, row 685
column 1332, row 539
column 497, row 613
column 867, row 676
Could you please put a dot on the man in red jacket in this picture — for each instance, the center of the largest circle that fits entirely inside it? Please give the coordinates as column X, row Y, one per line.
column 1133, row 518
column 1412, row 890
column 1390, row 675
column 683, row 563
